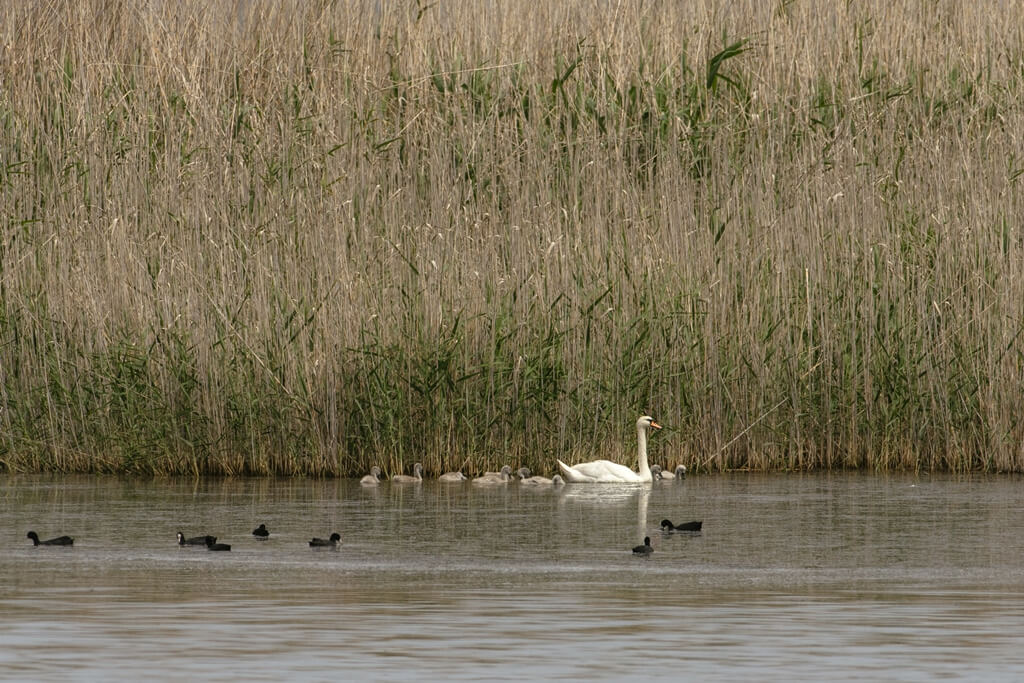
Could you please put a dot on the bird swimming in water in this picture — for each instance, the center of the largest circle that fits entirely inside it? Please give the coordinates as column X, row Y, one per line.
column 60, row 540
column 371, row 479
column 644, row 549
column 492, row 478
column 660, row 474
column 415, row 478
column 331, row 542
column 195, row 540
column 212, row 545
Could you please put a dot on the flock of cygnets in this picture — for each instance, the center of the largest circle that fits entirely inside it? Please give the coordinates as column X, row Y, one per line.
column 505, row 476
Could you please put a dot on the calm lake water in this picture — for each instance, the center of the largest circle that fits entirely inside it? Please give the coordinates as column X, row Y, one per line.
column 794, row 577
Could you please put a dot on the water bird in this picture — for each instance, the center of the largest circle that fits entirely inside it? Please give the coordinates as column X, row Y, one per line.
column 606, row 471
column 415, row 478
column 685, row 526
column 644, row 549
column 452, row 477
column 60, row 540
column 543, row 481
column 195, row 540
column 491, row 478
column 261, row 532
column 331, row 542
column 211, row 544
column 678, row 473
column 523, row 473
column 371, row 479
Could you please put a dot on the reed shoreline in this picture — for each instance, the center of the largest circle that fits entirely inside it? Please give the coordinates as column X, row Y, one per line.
column 307, row 238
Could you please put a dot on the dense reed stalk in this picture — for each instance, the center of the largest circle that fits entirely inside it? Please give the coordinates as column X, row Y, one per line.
column 308, row 237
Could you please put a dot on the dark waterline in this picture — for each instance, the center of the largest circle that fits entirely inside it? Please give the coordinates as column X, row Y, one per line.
column 805, row 577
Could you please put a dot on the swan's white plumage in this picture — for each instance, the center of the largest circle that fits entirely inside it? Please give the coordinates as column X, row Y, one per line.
column 608, row 472
column 602, row 472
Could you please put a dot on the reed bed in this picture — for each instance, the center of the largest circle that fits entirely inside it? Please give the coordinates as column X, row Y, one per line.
column 309, row 237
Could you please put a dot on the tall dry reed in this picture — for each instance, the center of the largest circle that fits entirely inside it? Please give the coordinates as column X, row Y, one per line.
column 307, row 237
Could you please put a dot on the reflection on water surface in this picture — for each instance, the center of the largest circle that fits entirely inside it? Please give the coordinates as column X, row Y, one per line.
column 805, row 577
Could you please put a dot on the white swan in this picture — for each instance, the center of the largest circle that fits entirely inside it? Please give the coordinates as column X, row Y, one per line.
column 608, row 472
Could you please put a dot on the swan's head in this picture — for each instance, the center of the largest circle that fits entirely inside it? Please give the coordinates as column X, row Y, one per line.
column 647, row 422
column 656, row 471
column 524, row 473
column 680, row 470
column 375, row 471
column 506, row 470
column 557, row 480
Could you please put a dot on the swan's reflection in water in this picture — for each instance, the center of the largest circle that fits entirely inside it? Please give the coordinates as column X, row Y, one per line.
column 603, row 494
column 608, row 497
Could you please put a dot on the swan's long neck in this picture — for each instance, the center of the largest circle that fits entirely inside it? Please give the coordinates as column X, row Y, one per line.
column 641, row 439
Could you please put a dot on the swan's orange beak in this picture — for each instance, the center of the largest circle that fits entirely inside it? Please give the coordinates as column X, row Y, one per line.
column 655, row 424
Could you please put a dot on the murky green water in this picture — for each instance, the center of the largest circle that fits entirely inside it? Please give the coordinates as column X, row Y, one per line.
column 794, row 577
